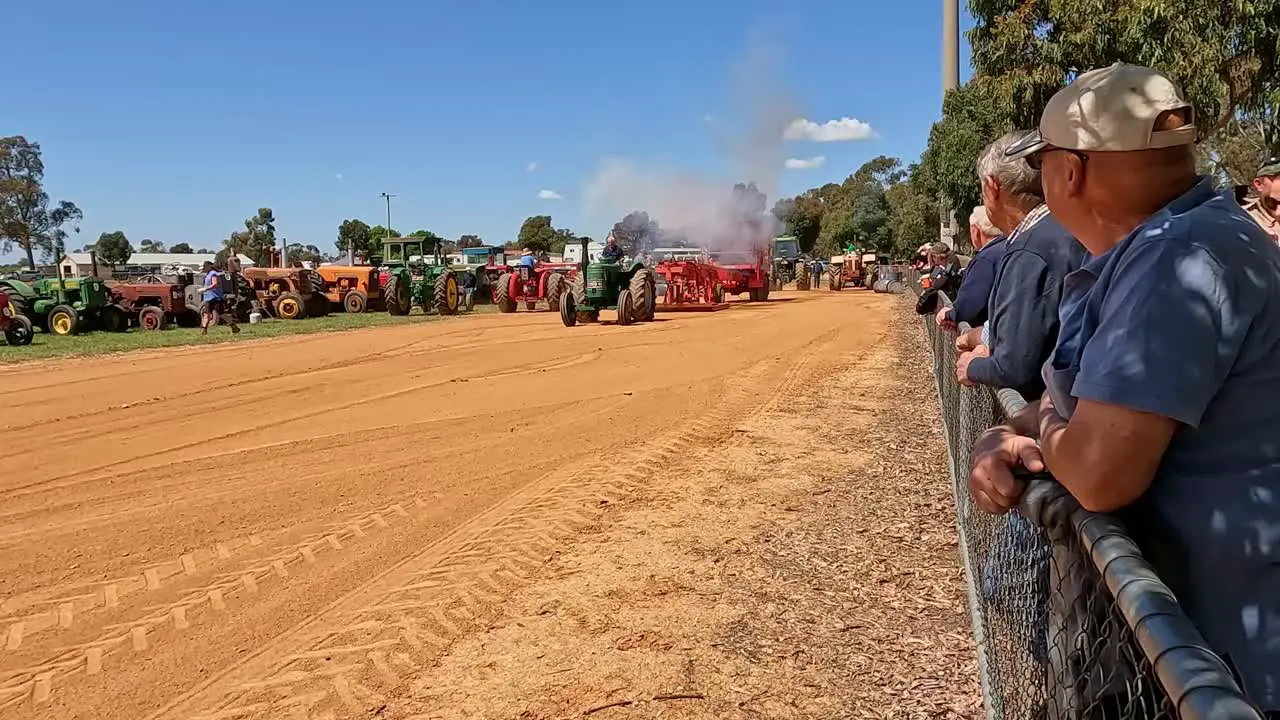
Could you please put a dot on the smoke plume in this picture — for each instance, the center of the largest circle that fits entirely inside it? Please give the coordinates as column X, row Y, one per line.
column 708, row 211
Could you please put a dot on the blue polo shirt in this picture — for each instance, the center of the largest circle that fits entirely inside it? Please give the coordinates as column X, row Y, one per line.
column 1182, row 319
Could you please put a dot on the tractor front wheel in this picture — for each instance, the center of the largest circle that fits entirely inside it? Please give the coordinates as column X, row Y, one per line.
column 289, row 306
column 502, row 294
column 626, row 307
column 446, row 293
column 63, row 320
column 19, row 331
column 355, row 302
column 568, row 311
column 151, row 318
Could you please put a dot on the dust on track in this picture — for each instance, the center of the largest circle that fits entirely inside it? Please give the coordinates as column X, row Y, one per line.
column 218, row 517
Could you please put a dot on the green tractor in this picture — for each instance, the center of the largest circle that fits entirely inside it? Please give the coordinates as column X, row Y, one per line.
column 66, row 306
column 414, row 272
column 788, row 264
column 609, row 285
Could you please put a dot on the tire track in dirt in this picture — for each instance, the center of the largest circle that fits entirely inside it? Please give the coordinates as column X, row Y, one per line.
column 34, row 683
column 90, row 474
column 73, row 602
column 372, row 637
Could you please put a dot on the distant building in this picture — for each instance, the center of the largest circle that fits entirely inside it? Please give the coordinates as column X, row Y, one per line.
column 78, row 265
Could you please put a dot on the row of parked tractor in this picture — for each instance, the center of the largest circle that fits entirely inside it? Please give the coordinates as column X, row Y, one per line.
column 411, row 272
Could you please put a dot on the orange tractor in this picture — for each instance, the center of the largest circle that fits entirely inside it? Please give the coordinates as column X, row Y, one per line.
column 355, row 287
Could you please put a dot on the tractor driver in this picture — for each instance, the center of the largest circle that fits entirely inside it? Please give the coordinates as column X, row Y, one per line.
column 611, row 250
column 527, row 259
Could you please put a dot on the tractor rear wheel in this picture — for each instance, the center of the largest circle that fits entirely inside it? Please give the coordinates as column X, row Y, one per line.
column 643, row 289
column 555, row 290
column 802, row 277
column 502, row 294
column 114, row 319
column 717, row 294
column 578, row 291
column 63, row 320
column 289, row 306
column 568, row 311
column 317, row 305
column 151, row 318
column 355, row 302
column 626, row 307
column 396, row 296
column 446, row 293
column 19, row 332
column 16, row 301
column 833, row 279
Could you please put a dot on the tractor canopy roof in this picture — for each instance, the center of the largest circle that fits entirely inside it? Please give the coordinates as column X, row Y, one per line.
column 786, row 247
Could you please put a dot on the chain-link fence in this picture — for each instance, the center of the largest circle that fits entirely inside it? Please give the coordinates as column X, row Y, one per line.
column 1070, row 621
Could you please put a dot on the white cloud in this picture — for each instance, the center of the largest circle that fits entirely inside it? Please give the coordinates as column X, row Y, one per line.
column 843, row 130
column 337, row 176
column 708, row 118
column 549, row 195
column 803, row 164
column 531, row 166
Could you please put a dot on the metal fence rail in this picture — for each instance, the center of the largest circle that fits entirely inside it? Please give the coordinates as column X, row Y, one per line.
column 1070, row 621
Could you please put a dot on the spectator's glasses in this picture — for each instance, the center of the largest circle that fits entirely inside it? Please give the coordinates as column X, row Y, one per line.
column 1036, row 160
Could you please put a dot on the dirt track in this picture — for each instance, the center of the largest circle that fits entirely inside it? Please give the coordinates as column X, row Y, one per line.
column 292, row 527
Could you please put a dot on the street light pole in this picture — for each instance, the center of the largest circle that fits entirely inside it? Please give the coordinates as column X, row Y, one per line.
column 388, row 199
column 950, row 81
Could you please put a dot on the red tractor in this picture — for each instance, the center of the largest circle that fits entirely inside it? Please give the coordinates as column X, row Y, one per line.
column 16, row 327
column 528, row 285
column 744, row 272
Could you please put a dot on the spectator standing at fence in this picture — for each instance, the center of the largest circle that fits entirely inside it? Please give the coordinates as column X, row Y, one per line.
column 970, row 304
column 1022, row 322
column 1163, row 390
column 1264, row 206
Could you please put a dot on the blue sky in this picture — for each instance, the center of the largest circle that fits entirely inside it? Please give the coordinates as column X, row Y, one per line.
column 176, row 120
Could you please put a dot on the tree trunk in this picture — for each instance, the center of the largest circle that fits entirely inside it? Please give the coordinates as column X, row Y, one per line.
column 31, row 257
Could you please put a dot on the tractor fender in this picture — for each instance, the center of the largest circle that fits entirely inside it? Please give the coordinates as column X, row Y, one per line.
column 20, row 288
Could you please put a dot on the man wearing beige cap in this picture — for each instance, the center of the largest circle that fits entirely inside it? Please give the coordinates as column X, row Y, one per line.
column 1163, row 391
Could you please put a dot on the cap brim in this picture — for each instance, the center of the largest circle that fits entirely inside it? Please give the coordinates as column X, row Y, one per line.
column 1268, row 170
column 1026, row 147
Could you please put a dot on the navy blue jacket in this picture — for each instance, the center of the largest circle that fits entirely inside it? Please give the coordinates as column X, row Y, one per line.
column 1022, row 315
column 970, row 304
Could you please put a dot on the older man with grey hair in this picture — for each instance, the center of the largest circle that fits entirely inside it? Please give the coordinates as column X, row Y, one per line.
column 1022, row 313
column 970, row 304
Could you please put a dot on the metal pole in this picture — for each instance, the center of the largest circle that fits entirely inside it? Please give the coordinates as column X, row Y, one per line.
column 950, row 45
column 950, row 81
column 388, row 198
